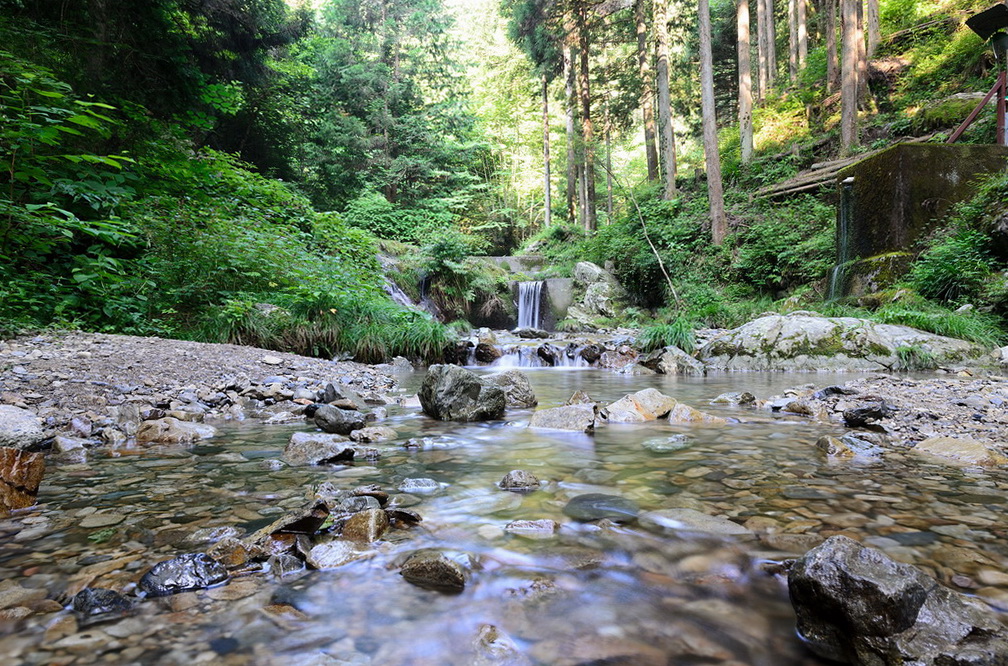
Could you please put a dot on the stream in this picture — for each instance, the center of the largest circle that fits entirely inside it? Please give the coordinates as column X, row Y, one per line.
column 587, row 594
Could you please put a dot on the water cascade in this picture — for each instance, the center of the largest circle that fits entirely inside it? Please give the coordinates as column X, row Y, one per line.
column 837, row 275
column 529, row 304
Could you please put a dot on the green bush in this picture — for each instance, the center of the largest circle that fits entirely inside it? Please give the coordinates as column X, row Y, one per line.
column 678, row 332
column 954, row 268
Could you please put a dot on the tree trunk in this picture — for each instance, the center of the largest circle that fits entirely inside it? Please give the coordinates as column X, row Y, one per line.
column 830, row 28
column 849, row 74
column 719, row 225
column 862, row 59
column 608, row 169
column 647, row 92
column 745, row 99
column 587, row 127
column 572, row 139
column 802, row 33
column 761, row 49
column 792, row 15
column 548, row 204
column 665, row 129
column 771, row 35
column 872, row 27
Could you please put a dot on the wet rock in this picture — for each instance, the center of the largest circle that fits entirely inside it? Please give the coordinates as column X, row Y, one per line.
column 647, row 405
column 673, row 361
column 519, row 480
column 833, row 447
column 231, row 552
column 492, row 646
column 685, row 414
column 666, row 444
column 548, row 353
column 403, row 517
column 536, row 529
column 828, row 391
column 579, row 397
column 529, row 333
column 373, row 434
column 739, row 399
column 308, row 448
column 690, row 520
column 451, row 393
column 170, row 430
column 859, row 417
column 366, row 526
column 855, row 604
column 64, row 444
column 192, row 571
column 285, row 564
column 591, row 353
column 962, row 450
column 517, row 389
column 596, row 506
column 19, row 428
column 303, row 521
column 20, row 475
column 419, row 486
column 333, row 554
column 435, row 570
column 98, row 601
column 577, row 418
column 338, row 421
column 487, row 353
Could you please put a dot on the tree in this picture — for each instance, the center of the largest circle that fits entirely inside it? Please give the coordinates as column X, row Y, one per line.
column 828, row 12
column 802, row 33
column 849, row 73
column 715, row 195
column 792, row 10
column 647, row 92
column 665, row 129
column 587, row 125
column 745, row 97
column 872, row 25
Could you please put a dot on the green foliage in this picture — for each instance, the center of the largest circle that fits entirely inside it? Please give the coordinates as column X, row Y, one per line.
column 912, row 358
column 786, row 245
column 977, row 327
column 678, row 332
column 954, row 268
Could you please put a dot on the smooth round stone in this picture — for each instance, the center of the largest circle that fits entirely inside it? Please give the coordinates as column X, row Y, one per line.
column 519, row 480
column 666, row 444
column 596, row 506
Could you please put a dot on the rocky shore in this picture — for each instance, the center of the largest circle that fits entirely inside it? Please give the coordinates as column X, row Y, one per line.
column 100, row 388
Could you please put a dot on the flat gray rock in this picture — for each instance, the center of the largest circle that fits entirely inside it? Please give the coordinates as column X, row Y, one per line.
column 19, row 428
column 690, row 520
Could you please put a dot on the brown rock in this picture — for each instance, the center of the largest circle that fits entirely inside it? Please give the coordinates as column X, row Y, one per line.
column 20, row 476
column 366, row 526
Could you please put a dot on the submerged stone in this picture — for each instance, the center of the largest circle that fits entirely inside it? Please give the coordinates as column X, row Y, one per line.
column 519, row 480
column 98, row 601
column 435, row 570
column 666, row 444
column 596, row 506
column 192, row 571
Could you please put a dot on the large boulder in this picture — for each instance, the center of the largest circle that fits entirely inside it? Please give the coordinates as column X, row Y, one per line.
column 170, row 430
column 20, row 475
column 517, row 389
column 855, row 604
column 806, row 341
column 451, row 393
column 19, row 428
column 602, row 294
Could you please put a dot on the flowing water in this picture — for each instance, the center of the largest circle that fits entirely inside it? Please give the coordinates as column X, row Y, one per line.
column 529, row 304
column 588, row 594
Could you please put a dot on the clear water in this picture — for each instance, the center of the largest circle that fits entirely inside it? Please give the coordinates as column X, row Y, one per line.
column 625, row 594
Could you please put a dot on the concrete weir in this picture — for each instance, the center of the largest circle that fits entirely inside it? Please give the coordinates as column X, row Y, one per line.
column 894, row 198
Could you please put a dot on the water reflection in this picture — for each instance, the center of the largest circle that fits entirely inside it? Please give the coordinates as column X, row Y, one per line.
column 588, row 594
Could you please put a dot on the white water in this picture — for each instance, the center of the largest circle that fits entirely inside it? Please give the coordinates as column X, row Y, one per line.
column 529, row 305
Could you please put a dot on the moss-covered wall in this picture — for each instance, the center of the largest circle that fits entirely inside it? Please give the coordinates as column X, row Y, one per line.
column 901, row 192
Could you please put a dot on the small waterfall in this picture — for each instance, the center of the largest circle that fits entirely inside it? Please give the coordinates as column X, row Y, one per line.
column 837, row 275
column 395, row 293
column 529, row 305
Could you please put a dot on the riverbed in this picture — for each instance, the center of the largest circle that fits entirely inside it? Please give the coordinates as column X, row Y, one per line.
column 588, row 593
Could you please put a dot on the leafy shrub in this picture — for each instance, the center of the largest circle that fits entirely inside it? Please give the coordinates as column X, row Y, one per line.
column 678, row 332
column 954, row 268
column 911, row 358
column 977, row 327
